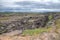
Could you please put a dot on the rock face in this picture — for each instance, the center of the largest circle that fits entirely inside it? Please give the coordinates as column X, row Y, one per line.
column 27, row 22
column 31, row 22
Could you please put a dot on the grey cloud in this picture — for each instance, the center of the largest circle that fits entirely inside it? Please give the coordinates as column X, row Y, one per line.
column 29, row 6
column 39, row 5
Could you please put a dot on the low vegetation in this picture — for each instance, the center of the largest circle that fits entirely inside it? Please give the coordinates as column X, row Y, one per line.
column 36, row 31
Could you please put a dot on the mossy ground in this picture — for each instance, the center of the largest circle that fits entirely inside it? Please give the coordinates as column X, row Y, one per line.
column 36, row 31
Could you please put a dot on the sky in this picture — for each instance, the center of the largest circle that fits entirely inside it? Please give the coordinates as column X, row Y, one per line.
column 29, row 5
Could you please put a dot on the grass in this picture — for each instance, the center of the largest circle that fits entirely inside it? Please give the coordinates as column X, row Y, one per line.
column 36, row 31
column 4, row 18
column 58, row 23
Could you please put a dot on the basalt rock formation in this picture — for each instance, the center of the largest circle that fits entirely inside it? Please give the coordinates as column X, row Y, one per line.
column 31, row 22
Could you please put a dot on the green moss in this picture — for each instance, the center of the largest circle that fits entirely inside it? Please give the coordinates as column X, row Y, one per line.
column 50, row 17
column 36, row 31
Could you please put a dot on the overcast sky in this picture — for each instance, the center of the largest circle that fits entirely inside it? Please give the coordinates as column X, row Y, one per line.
column 29, row 5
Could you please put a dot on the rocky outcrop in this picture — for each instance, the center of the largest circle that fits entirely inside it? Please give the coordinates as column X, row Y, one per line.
column 24, row 23
column 27, row 22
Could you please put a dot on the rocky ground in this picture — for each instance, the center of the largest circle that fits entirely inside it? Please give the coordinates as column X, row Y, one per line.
column 26, row 22
column 13, row 27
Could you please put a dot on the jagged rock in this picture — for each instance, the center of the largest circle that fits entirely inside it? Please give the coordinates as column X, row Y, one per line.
column 25, row 23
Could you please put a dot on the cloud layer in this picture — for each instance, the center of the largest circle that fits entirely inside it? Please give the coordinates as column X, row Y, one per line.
column 30, row 5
